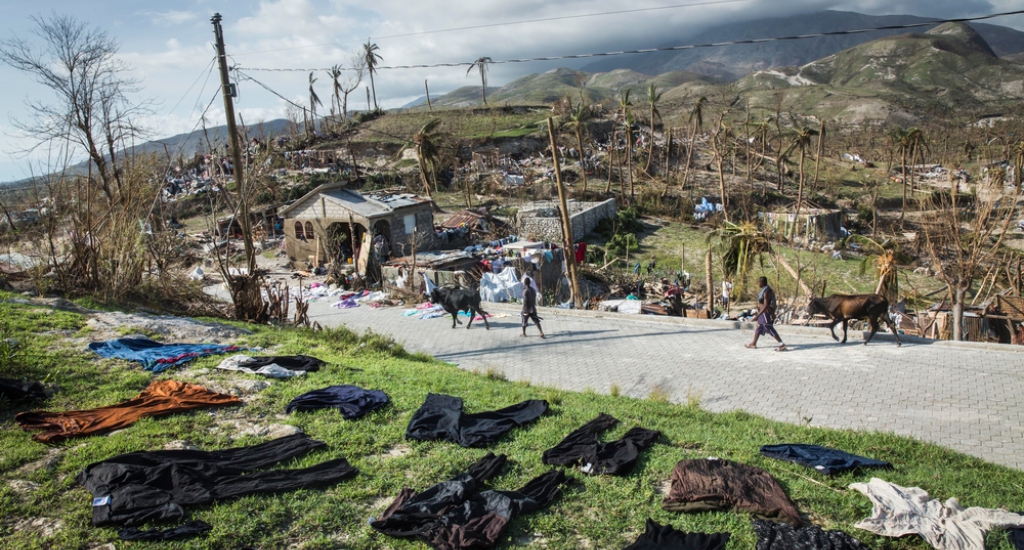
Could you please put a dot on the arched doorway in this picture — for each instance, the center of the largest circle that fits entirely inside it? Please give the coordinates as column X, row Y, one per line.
column 383, row 229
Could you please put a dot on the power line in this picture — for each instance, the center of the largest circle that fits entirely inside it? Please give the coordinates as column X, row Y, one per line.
column 674, row 48
column 507, row 23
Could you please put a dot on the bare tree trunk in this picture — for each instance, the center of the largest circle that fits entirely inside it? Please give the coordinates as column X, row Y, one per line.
column 799, row 195
column 629, row 161
column 668, row 165
column 570, row 256
column 958, row 313
column 427, row 88
column 689, row 156
column 611, row 162
column 583, row 164
column 903, row 211
column 710, row 283
column 817, row 158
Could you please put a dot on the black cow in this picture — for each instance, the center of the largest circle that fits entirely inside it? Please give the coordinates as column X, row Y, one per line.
column 456, row 299
column 844, row 308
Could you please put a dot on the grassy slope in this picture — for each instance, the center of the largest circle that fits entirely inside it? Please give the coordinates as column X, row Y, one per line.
column 597, row 512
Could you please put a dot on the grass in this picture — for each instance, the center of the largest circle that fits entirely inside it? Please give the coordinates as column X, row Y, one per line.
column 596, row 512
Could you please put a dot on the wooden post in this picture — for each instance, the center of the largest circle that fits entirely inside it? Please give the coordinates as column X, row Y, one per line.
column 236, row 150
column 710, row 283
column 425, row 86
column 570, row 255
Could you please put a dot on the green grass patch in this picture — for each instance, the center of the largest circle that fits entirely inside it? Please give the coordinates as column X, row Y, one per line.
column 597, row 512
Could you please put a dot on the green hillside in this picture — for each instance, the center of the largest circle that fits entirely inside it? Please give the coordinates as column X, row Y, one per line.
column 950, row 66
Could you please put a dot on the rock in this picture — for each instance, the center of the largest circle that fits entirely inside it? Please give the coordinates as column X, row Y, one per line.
column 45, row 527
column 246, row 387
column 272, row 431
column 180, row 445
column 107, row 546
column 46, row 464
column 22, row 486
column 199, row 372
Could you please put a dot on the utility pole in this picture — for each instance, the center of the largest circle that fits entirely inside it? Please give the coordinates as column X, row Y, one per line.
column 570, row 253
column 236, row 152
column 427, row 87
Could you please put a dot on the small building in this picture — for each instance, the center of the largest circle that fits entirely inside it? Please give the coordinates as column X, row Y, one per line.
column 332, row 222
column 813, row 223
column 542, row 220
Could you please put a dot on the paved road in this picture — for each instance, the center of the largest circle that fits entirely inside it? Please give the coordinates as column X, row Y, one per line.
column 963, row 398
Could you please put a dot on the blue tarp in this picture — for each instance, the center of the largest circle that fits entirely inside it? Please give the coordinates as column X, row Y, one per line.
column 154, row 356
column 823, row 459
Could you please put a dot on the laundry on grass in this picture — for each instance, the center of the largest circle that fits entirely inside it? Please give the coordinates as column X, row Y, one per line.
column 715, row 484
column 135, row 488
column 614, row 457
column 17, row 390
column 285, row 366
column 441, row 418
column 823, row 459
column 154, row 356
column 351, row 401
column 457, row 515
column 780, row 536
column 665, row 537
column 899, row 511
column 160, row 398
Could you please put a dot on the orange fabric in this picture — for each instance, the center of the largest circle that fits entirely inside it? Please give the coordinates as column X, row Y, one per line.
column 160, row 398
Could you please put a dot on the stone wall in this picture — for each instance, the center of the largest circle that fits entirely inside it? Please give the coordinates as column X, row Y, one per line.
column 541, row 221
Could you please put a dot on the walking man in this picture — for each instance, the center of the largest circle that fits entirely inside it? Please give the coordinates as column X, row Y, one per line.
column 766, row 305
column 530, row 305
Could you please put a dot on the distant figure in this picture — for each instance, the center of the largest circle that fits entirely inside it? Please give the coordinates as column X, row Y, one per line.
column 766, row 305
column 530, row 305
column 726, row 291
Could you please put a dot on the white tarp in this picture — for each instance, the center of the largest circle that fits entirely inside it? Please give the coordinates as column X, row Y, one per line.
column 629, row 307
column 501, row 287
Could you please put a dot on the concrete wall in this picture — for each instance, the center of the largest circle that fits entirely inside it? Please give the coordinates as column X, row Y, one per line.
column 541, row 221
column 323, row 213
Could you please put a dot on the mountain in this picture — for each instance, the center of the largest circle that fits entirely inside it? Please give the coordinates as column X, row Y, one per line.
column 950, row 68
column 550, row 86
column 732, row 62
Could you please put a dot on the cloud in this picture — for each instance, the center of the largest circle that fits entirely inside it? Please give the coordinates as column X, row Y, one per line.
column 171, row 18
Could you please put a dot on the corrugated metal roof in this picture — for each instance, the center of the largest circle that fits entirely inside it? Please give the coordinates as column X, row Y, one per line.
column 370, row 206
column 467, row 217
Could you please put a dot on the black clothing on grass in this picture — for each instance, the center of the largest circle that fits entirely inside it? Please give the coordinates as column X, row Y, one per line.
column 664, row 537
column 441, row 417
column 186, row 531
column 614, row 457
column 16, row 390
column 777, row 536
column 351, row 401
column 456, row 515
column 412, row 513
column 823, row 459
column 481, row 521
column 300, row 363
column 134, row 488
column 1016, row 537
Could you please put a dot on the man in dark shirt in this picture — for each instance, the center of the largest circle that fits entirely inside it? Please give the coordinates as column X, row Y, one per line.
column 766, row 315
column 530, row 305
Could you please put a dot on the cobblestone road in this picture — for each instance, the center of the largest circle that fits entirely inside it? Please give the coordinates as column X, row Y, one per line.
column 967, row 399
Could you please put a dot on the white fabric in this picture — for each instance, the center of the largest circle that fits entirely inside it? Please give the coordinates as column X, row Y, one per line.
column 898, row 511
column 197, row 274
column 533, row 283
column 501, row 287
column 629, row 307
column 272, row 370
column 430, row 285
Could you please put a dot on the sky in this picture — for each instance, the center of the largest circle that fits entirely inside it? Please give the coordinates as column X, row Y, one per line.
column 169, row 46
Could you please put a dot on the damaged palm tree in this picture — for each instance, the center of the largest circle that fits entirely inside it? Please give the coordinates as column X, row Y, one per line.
column 739, row 245
column 886, row 257
column 427, row 154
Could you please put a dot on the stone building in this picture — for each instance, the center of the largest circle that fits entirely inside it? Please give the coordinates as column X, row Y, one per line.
column 541, row 221
column 332, row 221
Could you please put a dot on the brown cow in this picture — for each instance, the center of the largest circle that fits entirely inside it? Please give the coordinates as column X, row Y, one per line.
column 845, row 308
